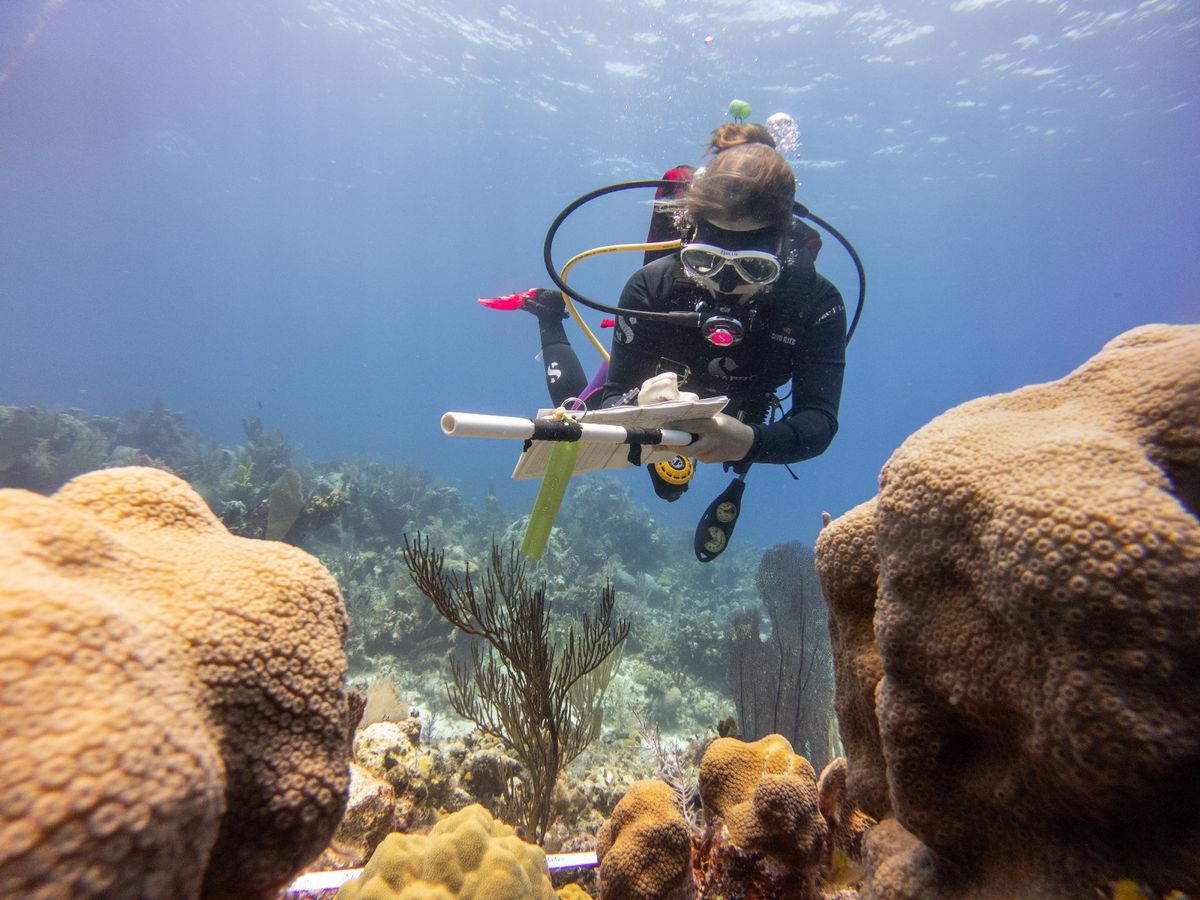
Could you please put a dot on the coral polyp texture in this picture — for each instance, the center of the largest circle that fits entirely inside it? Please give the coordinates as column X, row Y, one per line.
column 468, row 854
column 765, row 827
column 645, row 848
column 849, row 568
column 1037, row 623
column 175, row 717
column 848, row 824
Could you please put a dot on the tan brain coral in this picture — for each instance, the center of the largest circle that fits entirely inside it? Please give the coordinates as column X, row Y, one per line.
column 761, row 798
column 645, row 848
column 1036, row 617
column 173, row 697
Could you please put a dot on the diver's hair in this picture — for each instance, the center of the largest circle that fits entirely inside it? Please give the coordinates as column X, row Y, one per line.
column 745, row 182
column 734, row 134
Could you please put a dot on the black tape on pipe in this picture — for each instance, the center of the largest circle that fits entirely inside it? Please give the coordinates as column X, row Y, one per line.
column 643, row 436
column 548, row 430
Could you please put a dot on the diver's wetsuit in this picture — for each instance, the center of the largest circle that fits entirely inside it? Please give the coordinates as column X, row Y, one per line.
column 564, row 374
column 799, row 335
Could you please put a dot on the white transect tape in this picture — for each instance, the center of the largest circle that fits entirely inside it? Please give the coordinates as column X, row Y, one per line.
column 557, row 861
column 322, row 881
column 331, row 881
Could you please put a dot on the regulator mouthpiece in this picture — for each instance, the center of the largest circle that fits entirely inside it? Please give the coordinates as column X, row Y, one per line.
column 723, row 331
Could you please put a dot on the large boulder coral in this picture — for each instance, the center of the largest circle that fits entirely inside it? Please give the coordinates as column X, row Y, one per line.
column 849, row 567
column 175, row 716
column 1036, row 635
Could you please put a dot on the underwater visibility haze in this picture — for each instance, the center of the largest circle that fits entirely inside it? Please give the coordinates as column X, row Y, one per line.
column 242, row 241
column 287, row 209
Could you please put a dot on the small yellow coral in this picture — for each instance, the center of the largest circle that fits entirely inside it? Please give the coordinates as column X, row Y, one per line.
column 572, row 891
column 468, row 854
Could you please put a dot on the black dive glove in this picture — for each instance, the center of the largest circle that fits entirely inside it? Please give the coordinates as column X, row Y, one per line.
column 547, row 304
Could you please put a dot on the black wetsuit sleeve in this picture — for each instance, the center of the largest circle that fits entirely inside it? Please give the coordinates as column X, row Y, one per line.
column 638, row 344
column 565, row 377
column 819, row 364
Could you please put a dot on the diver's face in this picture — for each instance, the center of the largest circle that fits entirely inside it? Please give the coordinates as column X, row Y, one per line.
column 732, row 282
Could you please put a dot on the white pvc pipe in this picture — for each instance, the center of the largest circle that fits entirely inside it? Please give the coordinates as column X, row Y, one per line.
column 461, row 424
column 478, row 425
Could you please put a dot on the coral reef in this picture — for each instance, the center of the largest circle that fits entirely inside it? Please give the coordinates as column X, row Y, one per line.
column 764, row 824
column 369, row 817
column 285, row 500
column 158, row 432
column 764, row 835
column 41, row 449
column 645, row 848
column 672, row 673
column 542, row 697
column 175, row 715
column 432, row 777
column 1035, row 636
column 602, row 522
column 390, row 620
column 421, row 777
column 466, row 854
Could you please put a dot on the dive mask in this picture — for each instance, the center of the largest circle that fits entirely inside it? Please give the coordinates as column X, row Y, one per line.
column 704, row 263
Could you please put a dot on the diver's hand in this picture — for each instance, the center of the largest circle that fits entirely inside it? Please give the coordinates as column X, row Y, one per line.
column 662, row 388
column 546, row 304
column 722, row 438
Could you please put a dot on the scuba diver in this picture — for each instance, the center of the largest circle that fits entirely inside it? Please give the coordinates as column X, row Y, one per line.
column 565, row 376
column 770, row 319
column 744, row 274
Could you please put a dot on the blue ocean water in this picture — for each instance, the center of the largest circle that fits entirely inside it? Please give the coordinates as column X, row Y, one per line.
column 287, row 209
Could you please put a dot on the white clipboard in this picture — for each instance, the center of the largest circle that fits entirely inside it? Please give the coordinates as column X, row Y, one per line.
column 595, row 456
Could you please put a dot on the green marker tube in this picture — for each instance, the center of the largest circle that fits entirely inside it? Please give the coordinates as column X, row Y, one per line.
column 549, row 498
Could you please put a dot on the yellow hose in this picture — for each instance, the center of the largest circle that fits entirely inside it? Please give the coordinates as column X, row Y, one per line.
column 596, row 251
